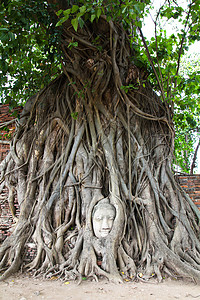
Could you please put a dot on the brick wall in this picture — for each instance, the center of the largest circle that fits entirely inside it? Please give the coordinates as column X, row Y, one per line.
column 4, row 149
column 7, row 128
column 191, row 184
column 6, row 218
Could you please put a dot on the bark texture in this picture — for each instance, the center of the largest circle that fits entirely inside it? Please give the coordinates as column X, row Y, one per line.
column 83, row 139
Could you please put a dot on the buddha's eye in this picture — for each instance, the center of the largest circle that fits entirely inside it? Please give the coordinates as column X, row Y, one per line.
column 98, row 219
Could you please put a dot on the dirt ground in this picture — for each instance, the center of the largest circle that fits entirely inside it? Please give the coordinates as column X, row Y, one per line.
column 23, row 287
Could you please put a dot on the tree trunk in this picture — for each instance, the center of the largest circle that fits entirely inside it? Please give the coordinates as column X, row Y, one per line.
column 91, row 165
column 193, row 165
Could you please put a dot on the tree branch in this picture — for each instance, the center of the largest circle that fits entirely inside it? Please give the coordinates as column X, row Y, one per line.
column 152, row 64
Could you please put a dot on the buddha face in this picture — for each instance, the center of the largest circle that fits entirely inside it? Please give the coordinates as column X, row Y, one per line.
column 103, row 219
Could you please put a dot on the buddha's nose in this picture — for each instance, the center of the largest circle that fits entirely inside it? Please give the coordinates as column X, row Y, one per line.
column 105, row 224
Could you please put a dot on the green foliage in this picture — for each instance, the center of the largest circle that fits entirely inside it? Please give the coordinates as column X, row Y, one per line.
column 74, row 115
column 187, row 111
column 78, row 15
column 30, row 35
column 29, row 56
column 176, row 76
column 128, row 12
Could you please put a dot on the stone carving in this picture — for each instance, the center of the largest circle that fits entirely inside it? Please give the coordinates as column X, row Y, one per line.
column 103, row 217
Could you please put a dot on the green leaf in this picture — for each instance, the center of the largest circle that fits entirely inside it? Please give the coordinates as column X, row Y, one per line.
column 92, row 17
column 75, row 23
column 139, row 24
column 82, row 9
column 75, row 8
column 12, row 36
column 4, row 29
column 67, row 12
column 98, row 12
column 74, row 115
column 137, row 8
column 72, row 44
column 59, row 12
column 81, row 22
column 62, row 20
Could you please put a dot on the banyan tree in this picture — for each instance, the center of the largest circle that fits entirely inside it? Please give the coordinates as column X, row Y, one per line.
column 90, row 163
